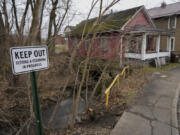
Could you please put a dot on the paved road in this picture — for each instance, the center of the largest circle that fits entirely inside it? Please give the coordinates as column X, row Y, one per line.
column 156, row 112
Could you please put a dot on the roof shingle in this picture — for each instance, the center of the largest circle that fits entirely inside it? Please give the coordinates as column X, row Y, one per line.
column 109, row 22
column 171, row 9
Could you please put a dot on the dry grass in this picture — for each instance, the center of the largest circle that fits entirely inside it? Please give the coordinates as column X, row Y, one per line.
column 15, row 105
column 119, row 100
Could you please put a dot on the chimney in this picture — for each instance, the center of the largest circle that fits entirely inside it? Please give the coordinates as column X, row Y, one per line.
column 163, row 4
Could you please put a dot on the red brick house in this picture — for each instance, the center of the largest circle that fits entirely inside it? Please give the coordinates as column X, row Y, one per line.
column 130, row 33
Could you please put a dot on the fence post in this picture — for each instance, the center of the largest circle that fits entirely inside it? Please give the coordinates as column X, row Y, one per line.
column 107, row 100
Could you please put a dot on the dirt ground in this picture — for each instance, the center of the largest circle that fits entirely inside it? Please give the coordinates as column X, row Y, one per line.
column 16, row 110
column 101, row 121
column 16, row 102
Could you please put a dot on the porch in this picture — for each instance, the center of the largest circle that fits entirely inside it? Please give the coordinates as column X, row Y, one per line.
column 144, row 43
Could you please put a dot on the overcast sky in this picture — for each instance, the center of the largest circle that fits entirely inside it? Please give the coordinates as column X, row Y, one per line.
column 81, row 7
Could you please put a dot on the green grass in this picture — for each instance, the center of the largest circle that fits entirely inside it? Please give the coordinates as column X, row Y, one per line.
column 149, row 69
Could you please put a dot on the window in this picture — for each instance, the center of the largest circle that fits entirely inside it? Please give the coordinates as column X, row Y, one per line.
column 138, row 44
column 172, row 22
column 104, row 44
column 172, row 43
column 150, row 43
column 87, row 44
column 133, row 44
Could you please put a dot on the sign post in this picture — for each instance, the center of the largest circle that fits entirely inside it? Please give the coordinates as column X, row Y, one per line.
column 36, row 103
column 30, row 59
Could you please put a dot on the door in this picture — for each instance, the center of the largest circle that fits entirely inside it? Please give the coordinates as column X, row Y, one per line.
column 172, row 43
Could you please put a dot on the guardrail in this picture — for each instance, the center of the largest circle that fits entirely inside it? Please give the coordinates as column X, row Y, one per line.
column 116, row 80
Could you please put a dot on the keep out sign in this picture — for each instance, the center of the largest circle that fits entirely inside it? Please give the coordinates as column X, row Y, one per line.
column 29, row 58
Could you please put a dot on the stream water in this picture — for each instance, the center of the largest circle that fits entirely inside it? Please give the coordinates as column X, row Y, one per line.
column 63, row 114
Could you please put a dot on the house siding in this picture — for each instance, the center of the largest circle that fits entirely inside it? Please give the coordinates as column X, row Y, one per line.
column 162, row 23
column 139, row 19
column 114, row 41
column 113, row 48
column 177, row 35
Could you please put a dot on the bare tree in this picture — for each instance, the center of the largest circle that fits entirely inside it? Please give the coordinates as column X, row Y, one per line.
column 37, row 9
column 5, row 28
column 35, row 25
column 20, row 26
column 56, row 20
column 95, row 25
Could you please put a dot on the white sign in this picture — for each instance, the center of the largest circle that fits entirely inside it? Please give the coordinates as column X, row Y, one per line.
column 29, row 58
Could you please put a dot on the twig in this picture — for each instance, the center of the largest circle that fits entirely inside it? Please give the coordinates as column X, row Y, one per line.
column 22, row 127
column 58, row 103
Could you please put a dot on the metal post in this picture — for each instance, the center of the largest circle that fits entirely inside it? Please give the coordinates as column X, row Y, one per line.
column 36, row 103
column 107, row 100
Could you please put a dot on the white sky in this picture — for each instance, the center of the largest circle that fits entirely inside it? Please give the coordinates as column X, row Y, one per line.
column 81, row 7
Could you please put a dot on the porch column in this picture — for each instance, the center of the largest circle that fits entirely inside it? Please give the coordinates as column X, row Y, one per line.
column 143, row 47
column 121, row 51
column 158, row 44
column 158, row 63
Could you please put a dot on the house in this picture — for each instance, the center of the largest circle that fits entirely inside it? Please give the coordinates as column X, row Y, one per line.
column 68, row 29
column 129, row 34
column 168, row 17
column 61, row 44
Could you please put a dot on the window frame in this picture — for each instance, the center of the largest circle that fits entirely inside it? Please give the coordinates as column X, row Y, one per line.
column 87, row 44
column 172, row 49
column 174, row 27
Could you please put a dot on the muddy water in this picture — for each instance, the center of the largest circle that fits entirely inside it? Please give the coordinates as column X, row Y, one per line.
column 63, row 115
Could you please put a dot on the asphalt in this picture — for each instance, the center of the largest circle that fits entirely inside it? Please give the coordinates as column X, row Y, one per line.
column 155, row 113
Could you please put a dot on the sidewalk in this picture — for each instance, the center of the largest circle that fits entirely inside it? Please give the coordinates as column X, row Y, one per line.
column 156, row 112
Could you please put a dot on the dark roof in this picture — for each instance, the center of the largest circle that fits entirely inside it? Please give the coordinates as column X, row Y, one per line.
column 149, row 29
column 109, row 22
column 171, row 9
